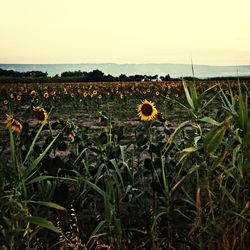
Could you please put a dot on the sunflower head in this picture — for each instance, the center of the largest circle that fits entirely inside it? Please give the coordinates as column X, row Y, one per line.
column 46, row 95
column 147, row 111
column 71, row 136
column 40, row 114
column 15, row 125
column 33, row 92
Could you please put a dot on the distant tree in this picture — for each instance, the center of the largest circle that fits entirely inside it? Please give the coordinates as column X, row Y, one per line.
column 123, row 78
column 37, row 74
column 95, row 76
column 165, row 78
column 110, row 78
column 135, row 78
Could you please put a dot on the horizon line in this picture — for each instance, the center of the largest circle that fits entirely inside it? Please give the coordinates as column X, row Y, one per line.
column 215, row 65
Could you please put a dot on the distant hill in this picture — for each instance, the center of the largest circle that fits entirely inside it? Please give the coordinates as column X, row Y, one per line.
column 174, row 70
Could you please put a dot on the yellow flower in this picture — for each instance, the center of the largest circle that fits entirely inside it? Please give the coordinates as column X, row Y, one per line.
column 40, row 114
column 71, row 136
column 147, row 111
column 15, row 125
column 33, row 92
column 46, row 95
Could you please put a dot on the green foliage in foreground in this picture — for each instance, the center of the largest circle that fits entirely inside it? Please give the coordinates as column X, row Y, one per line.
column 148, row 186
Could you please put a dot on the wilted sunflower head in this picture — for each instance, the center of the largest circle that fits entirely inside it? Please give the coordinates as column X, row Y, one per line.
column 160, row 117
column 15, row 125
column 40, row 114
column 147, row 111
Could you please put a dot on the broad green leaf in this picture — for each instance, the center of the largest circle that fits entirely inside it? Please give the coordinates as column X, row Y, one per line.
column 42, row 223
column 214, row 138
column 189, row 99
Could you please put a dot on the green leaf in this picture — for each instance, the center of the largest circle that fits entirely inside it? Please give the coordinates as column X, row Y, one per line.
column 42, row 223
column 114, row 163
column 190, row 149
column 173, row 136
column 189, row 99
column 38, row 159
column 96, row 230
column 214, row 138
column 33, row 142
column 96, row 188
column 12, row 147
column 39, row 178
column 216, row 135
column 210, row 120
column 48, row 204
column 229, row 196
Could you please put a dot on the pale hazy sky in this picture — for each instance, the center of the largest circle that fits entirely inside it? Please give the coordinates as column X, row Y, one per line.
column 125, row 31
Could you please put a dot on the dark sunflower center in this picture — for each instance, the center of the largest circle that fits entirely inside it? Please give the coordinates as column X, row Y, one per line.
column 39, row 114
column 147, row 109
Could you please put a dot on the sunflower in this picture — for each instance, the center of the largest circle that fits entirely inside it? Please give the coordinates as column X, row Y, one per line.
column 71, row 136
column 15, row 125
column 40, row 114
column 46, row 95
column 147, row 111
column 32, row 92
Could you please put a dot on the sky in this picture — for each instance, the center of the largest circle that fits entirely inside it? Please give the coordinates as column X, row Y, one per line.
column 213, row 32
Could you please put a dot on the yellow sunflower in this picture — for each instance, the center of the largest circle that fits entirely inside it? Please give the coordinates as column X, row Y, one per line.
column 71, row 136
column 46, row 95
column 40, row 114
column 147, row 111
column 15, row 125
column 32, row 92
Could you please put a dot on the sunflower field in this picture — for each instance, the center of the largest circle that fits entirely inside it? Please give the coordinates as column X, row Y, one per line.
column 135, row 165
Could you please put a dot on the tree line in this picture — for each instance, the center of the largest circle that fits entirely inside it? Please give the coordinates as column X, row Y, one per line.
column 11, row 76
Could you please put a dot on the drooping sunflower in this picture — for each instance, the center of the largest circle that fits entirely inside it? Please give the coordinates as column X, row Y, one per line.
column 15, row 125
column 160, row 117
column 40, row 114
column 147, row 110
